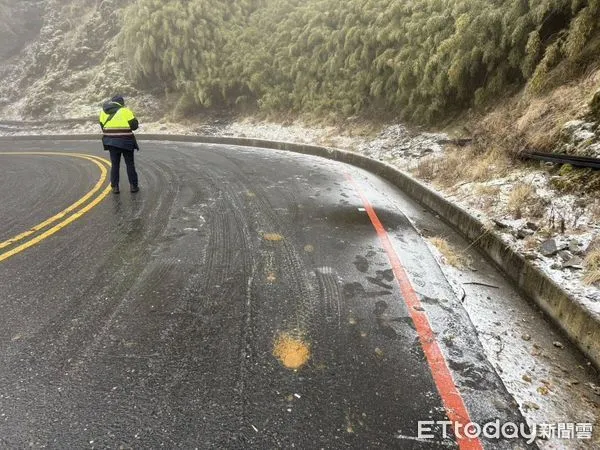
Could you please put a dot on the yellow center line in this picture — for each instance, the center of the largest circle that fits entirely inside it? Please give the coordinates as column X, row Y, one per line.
column 62, row 214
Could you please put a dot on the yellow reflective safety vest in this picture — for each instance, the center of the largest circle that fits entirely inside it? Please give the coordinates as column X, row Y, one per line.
column 118, row 123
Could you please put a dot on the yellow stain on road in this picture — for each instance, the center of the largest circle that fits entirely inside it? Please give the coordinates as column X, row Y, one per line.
column 273, row 237
column 292, row 352
column 271, row 277
column 63, row 215
column 309, row 248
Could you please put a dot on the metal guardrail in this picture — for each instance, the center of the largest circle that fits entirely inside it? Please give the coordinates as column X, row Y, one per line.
column 558, row 158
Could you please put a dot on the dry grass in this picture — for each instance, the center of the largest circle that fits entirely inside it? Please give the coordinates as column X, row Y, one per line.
column 542, row 117
column 445, row 171
column 523, row 200
column 519, row 199
column 463, row 165
column 530, row 120
column 530, row 243
column 492, row 164
column 485, row 190
column 427, row 168
column 451, row 256
column 592, row 267
column 486, row 196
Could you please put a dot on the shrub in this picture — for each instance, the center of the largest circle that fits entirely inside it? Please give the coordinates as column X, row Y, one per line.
column 422, row 60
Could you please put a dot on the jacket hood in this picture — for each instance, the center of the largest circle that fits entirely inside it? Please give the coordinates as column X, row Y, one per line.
column 111, row 107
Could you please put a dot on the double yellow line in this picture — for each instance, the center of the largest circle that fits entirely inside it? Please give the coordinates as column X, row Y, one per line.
column 67, row 216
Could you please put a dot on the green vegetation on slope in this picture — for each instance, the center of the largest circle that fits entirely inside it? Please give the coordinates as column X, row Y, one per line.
column 421, row 59
column 178, row 45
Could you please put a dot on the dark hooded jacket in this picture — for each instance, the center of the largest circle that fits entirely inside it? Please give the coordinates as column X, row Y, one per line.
column 121, row 137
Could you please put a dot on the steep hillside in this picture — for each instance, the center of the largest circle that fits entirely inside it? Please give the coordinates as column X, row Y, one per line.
column 65, row 62
column 423, row 60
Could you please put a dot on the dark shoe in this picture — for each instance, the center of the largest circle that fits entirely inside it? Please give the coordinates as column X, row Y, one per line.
column 134, row 189
column 115, row 190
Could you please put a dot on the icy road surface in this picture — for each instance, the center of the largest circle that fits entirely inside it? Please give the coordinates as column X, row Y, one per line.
column 245, row 298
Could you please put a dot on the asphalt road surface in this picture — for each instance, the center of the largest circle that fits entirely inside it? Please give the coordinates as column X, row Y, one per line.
column 244, row 298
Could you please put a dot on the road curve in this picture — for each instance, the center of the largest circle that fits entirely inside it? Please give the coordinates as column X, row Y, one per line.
column 243, row 299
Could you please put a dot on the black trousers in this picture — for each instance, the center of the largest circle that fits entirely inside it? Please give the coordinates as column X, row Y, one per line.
column 115, row 158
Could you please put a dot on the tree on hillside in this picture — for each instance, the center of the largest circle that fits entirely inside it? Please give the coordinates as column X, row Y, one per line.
column 421, row 59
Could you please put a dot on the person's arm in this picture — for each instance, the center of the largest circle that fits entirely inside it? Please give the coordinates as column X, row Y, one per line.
column 131, row 119
column 134, row 124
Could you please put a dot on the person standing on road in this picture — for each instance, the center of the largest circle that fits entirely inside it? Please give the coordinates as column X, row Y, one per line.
column 118, row 124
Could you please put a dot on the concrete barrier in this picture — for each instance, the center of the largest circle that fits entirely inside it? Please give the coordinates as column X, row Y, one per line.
column 579, row 323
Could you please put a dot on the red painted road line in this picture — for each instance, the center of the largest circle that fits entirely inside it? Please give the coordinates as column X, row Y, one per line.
column 453, row 402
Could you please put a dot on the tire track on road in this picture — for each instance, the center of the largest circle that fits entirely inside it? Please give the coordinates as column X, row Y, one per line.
column 94, row 309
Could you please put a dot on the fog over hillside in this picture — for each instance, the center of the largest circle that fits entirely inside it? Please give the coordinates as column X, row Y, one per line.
column 421, row 60
column 58, row 62
column 20, row 23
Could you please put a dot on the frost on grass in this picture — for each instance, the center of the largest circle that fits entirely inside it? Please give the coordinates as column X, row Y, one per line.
column 450, row 255
column 592, row 267
column 523, row 200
